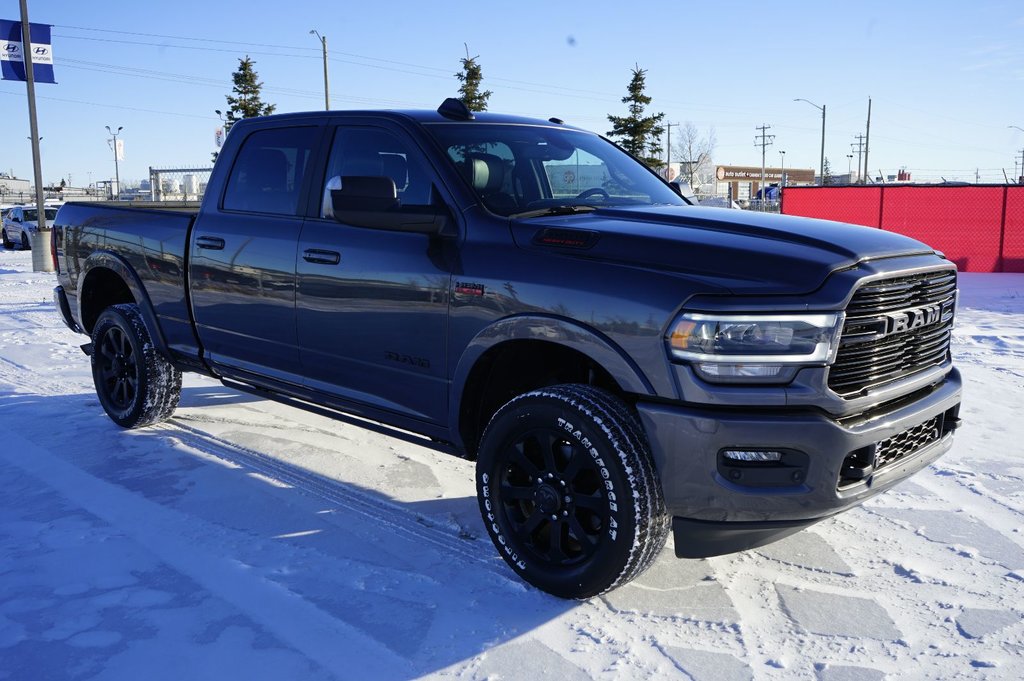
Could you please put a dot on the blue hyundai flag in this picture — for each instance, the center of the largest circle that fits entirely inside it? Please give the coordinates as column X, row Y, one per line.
column 12, row 52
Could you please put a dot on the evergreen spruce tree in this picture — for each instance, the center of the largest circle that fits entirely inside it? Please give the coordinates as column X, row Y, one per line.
column 247, row 102
column 471, row 76
column 638, row 134
column 827, row 177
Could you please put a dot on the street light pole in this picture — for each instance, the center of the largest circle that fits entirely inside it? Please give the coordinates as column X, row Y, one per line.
column 117, row 172
column 822, row 109
column 782, row 155
column 323, row 44
column 668, row 152
column 1017, row 127
column 849, row 167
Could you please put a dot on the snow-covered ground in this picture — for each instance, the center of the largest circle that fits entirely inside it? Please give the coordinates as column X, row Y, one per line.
column 248, row 540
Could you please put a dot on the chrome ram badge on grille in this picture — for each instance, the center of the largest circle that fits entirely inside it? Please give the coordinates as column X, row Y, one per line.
column 913, row 318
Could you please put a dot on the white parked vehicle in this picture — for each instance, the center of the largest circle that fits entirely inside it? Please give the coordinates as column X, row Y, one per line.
column 20, row 222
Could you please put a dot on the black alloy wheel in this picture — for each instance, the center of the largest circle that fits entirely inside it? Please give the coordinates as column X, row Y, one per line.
column 135, row 384
column 118, row 368
column 552, row 493
column 568, row 491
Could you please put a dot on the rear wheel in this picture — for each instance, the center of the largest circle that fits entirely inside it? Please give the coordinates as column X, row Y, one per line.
column 568, row 491
column 7, row 242
column 136, row 385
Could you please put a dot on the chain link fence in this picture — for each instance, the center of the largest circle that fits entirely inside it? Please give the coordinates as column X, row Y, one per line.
column 181, row 185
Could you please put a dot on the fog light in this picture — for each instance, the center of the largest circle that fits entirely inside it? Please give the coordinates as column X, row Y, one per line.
column 753, row 455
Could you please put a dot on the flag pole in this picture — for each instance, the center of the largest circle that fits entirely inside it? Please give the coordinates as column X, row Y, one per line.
column 40, row 260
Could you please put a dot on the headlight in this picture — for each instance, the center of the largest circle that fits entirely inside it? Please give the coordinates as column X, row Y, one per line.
column 755, row 348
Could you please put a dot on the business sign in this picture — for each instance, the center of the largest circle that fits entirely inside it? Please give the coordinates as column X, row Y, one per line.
column 218, row 137
column 753, row 174
column 12, row 52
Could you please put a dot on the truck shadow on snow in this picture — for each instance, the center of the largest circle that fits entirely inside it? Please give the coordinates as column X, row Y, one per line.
column 418, row 583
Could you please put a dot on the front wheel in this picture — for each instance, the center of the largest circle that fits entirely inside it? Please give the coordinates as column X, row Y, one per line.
column 25, row 245
column 135, row 384
column 568, row 491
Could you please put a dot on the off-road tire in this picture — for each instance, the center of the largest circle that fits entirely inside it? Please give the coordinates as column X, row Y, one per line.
column 568, row 491
column 8, row 244
column 136, row 385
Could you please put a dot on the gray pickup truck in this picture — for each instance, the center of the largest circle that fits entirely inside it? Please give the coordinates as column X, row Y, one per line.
column 618, row 362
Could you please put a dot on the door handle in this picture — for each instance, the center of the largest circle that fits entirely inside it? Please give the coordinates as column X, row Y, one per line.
column 321, row 257
column 210, row 242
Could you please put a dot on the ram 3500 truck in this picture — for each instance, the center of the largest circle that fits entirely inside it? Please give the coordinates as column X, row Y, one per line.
column 618, row 362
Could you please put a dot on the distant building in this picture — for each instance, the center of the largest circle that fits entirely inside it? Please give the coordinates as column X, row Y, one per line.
column 12, row 185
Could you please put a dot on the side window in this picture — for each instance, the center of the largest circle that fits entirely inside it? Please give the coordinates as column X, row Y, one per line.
column 267, row 175
column 373, row 152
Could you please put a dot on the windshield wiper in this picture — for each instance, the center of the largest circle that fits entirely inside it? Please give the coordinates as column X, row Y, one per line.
column 563, row 209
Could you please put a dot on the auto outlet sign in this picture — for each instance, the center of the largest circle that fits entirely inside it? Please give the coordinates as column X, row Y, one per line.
column 753, row 174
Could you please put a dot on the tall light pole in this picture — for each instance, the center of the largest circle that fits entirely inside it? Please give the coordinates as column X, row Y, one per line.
column 117, row 172
column 782, row 155
column 668, row 152
column 822, row 109
column 323, row 44
column 1017, row 127
column 849, row 167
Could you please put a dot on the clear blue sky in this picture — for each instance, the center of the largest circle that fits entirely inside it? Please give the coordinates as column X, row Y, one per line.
column 946, row 78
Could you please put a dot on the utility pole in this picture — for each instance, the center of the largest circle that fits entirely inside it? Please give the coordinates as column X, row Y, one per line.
column 859, row 146
column 766, row 141
column 323, row 44
column 867, row 142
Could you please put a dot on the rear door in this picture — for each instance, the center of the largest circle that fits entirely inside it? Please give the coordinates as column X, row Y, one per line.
column 242, row 256
column 372, row 304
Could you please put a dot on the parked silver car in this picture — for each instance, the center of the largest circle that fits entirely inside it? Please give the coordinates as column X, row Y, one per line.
column 20, row 222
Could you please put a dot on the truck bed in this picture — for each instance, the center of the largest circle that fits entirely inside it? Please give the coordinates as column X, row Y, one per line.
column 151, row 242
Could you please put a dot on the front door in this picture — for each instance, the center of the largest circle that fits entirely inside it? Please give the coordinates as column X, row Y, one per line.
column 372, row 304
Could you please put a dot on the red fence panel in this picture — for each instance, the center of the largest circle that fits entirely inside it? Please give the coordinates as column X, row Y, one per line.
column 979, row 227
column 962, row 222
column 1013, row 231
column 856, row 205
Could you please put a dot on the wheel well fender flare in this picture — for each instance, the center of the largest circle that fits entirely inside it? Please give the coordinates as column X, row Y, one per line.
column 123, row 270
column 553, row 330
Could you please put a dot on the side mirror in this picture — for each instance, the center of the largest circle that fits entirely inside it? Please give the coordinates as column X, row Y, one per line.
column 373, row 202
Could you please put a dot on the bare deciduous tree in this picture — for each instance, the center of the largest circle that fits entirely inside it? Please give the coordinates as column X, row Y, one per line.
column 694, row 150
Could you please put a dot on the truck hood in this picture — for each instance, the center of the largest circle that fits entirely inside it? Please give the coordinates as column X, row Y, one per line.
column 742, row 251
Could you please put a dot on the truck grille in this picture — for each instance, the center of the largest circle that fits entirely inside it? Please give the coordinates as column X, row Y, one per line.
column 860, row 465
column 894, row 328
column 909, row 441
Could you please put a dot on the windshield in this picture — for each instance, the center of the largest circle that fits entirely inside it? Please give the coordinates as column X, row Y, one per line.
column 535, row 170
column 31, row 214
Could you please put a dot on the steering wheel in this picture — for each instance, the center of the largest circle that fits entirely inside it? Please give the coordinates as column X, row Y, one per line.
column 593, row 191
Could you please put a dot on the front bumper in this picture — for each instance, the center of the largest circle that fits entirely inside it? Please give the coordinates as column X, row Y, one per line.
column 826, row 466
